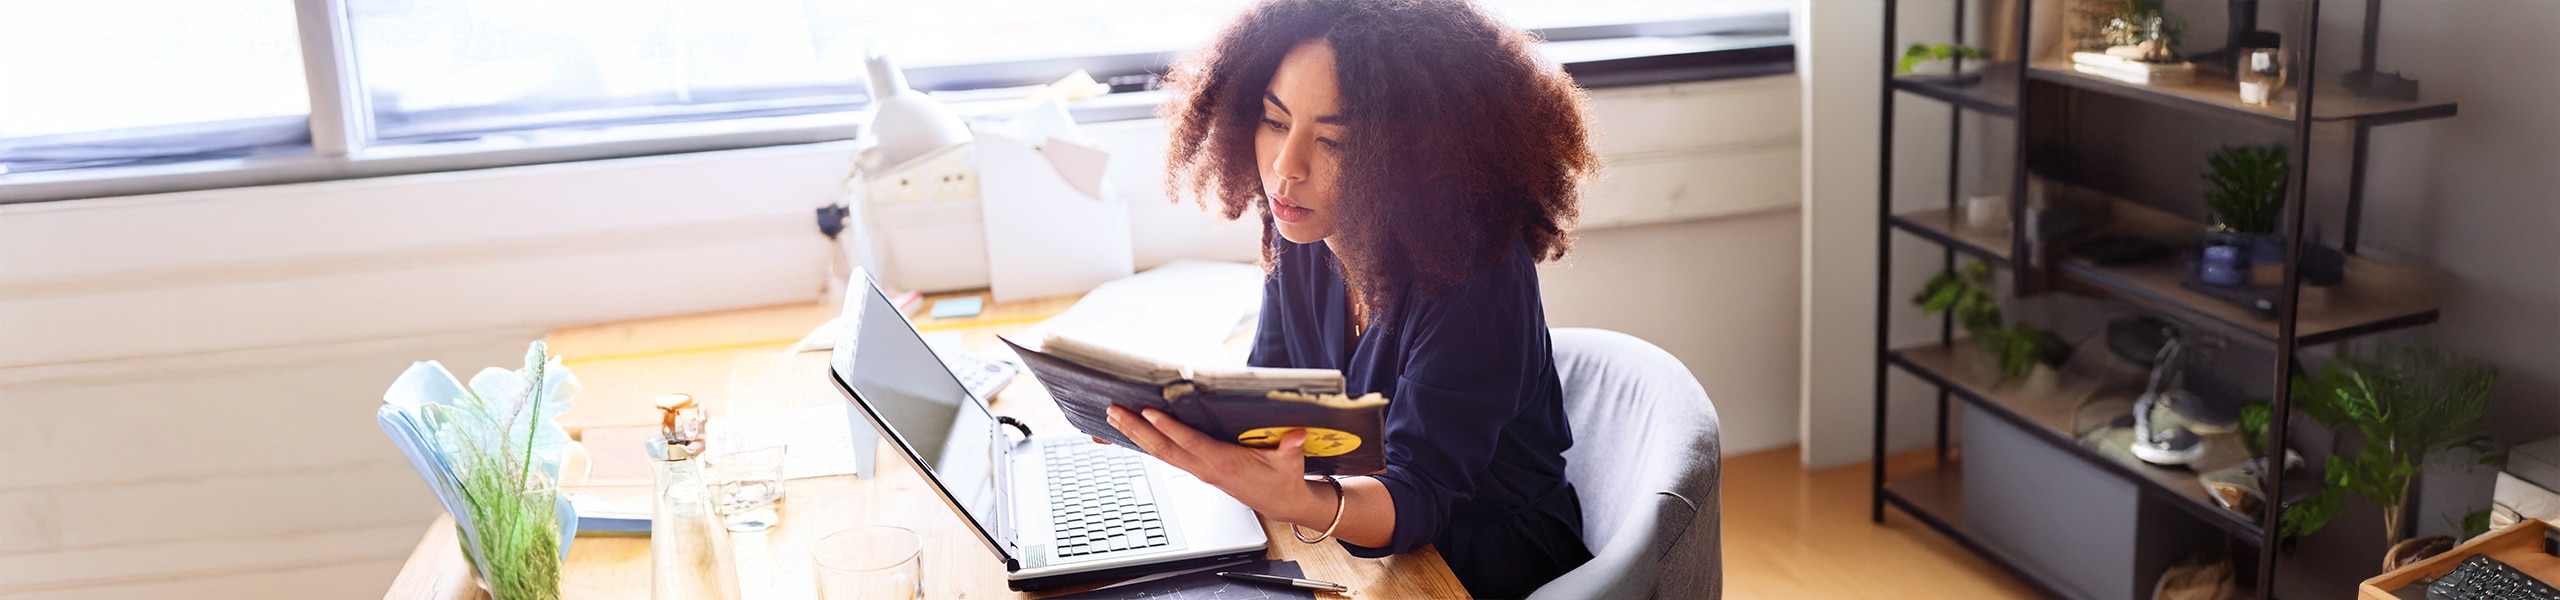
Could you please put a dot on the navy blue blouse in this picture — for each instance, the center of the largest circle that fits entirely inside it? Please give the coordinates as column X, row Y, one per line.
column 1476, row 428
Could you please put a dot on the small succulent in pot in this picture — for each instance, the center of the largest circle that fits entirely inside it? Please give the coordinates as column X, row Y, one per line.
column 2142, row 29
column 2245, row 189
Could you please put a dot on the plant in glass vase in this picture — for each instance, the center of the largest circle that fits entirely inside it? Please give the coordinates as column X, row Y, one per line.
column 493, row 453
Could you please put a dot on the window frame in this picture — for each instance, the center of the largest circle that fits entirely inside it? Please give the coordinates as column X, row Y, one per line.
column 342, row 127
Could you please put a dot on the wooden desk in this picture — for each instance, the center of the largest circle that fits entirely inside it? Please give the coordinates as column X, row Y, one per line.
column 732, row 361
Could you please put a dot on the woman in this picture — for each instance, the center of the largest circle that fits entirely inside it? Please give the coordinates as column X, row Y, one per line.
column 1411, row 161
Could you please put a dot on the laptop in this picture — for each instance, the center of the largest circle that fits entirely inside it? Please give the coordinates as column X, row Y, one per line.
column 1057, row 509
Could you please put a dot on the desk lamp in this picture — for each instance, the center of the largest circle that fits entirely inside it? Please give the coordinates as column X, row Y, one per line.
column 2170, row 417
column 906, row 123
column 2172, row 445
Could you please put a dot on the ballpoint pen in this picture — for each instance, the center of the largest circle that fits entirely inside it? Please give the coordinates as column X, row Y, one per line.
column 1171, row 574
column 1287, row 581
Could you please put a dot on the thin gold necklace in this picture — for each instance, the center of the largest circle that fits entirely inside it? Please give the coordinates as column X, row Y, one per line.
column 1359, row 324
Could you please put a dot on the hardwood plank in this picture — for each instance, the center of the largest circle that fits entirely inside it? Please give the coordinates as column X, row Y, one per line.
column 1792, row 533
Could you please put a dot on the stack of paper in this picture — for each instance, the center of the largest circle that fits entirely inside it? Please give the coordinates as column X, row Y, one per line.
column 1181, row 312
column 2132, row 71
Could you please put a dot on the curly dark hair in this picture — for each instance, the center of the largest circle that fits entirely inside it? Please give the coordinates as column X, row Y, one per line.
column 1459, row 141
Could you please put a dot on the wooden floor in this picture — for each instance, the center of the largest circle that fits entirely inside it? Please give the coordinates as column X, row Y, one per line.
column 1793, row 534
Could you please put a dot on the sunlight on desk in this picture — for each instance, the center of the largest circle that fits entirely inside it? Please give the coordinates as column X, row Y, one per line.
column 733, row 362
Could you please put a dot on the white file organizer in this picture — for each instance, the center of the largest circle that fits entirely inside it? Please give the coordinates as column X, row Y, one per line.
column 922, row 223
column 1027, row 220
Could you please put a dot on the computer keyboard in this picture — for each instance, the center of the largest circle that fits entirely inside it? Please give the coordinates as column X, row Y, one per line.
column 1099, row 500
column 2484, row 578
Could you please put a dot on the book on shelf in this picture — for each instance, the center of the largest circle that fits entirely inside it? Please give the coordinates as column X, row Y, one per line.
column 2132, row 71
column 1250, row 406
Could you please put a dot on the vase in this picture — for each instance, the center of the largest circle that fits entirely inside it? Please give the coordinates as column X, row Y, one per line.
column 533, row 578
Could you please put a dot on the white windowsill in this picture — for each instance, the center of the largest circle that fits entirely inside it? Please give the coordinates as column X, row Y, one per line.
column 558, row 146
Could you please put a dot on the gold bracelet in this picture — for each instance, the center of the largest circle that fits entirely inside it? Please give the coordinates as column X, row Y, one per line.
column 1338, row 502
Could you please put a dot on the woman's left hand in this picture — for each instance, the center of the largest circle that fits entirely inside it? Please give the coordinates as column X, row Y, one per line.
column 1270, row 480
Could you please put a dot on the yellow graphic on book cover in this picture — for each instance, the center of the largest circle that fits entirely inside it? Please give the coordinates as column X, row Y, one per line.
column 1320, row 441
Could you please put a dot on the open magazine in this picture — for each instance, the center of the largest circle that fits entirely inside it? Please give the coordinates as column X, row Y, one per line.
column 1249, row 406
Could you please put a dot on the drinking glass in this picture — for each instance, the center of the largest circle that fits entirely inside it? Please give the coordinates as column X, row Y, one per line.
column 747, row 483
column 2262, row 72
column 872, row 562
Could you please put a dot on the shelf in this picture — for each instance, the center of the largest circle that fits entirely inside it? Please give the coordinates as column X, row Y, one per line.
column 1941, row 226
column 2375, row 297
column 1993, row 92
column 1934, row 495
column 2215, row 93
column 2048, row 415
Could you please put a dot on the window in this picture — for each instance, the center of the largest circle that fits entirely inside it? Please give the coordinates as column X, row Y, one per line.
column 435, row 70
column 188, row 94
column 965, row 43
column 106, row 82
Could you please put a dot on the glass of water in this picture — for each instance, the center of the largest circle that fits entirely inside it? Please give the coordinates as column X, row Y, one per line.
column 747, row 483
column 872, row 562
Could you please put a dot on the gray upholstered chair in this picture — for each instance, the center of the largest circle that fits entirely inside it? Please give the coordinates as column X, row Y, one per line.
column 1645, row 462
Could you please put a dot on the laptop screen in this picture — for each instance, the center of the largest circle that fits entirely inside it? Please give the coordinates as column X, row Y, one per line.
column 888, row 367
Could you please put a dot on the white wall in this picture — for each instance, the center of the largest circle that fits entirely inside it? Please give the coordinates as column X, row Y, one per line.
column 187, row 378
column 1720, row 294
column 1838, row 50
column 2473, row 195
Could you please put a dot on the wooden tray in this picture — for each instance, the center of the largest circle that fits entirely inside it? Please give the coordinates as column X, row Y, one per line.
column 2519, row 545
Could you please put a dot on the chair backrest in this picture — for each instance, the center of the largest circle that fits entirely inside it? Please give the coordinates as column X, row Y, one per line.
column 1645, row 463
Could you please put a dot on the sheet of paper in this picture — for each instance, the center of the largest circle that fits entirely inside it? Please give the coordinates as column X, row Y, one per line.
column 947, row 339
column 819, row 437
column 1182, row 312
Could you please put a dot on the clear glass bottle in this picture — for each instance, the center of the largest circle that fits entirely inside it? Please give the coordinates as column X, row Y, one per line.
column 2262, row 68
column 689, row 556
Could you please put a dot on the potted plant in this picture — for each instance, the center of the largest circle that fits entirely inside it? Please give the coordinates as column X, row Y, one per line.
column 2134, row 29
column 1965, row 292
column 2406, row 403
column 1934, row 59
column 492, row 452
column 2245, row 188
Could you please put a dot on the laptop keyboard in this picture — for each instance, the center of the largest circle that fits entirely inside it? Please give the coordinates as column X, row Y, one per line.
column 1099, row 500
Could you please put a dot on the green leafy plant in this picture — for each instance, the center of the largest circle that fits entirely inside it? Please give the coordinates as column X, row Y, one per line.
column 2300, row 518
column 2406, row 402
column 492, row 435
column 2253, row 426
column 1920, row 54
column 2472, row 524
column 2247, row 185
column 1965, row 293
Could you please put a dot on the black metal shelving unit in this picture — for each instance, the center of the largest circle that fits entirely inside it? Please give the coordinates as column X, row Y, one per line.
column 2380, row 297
